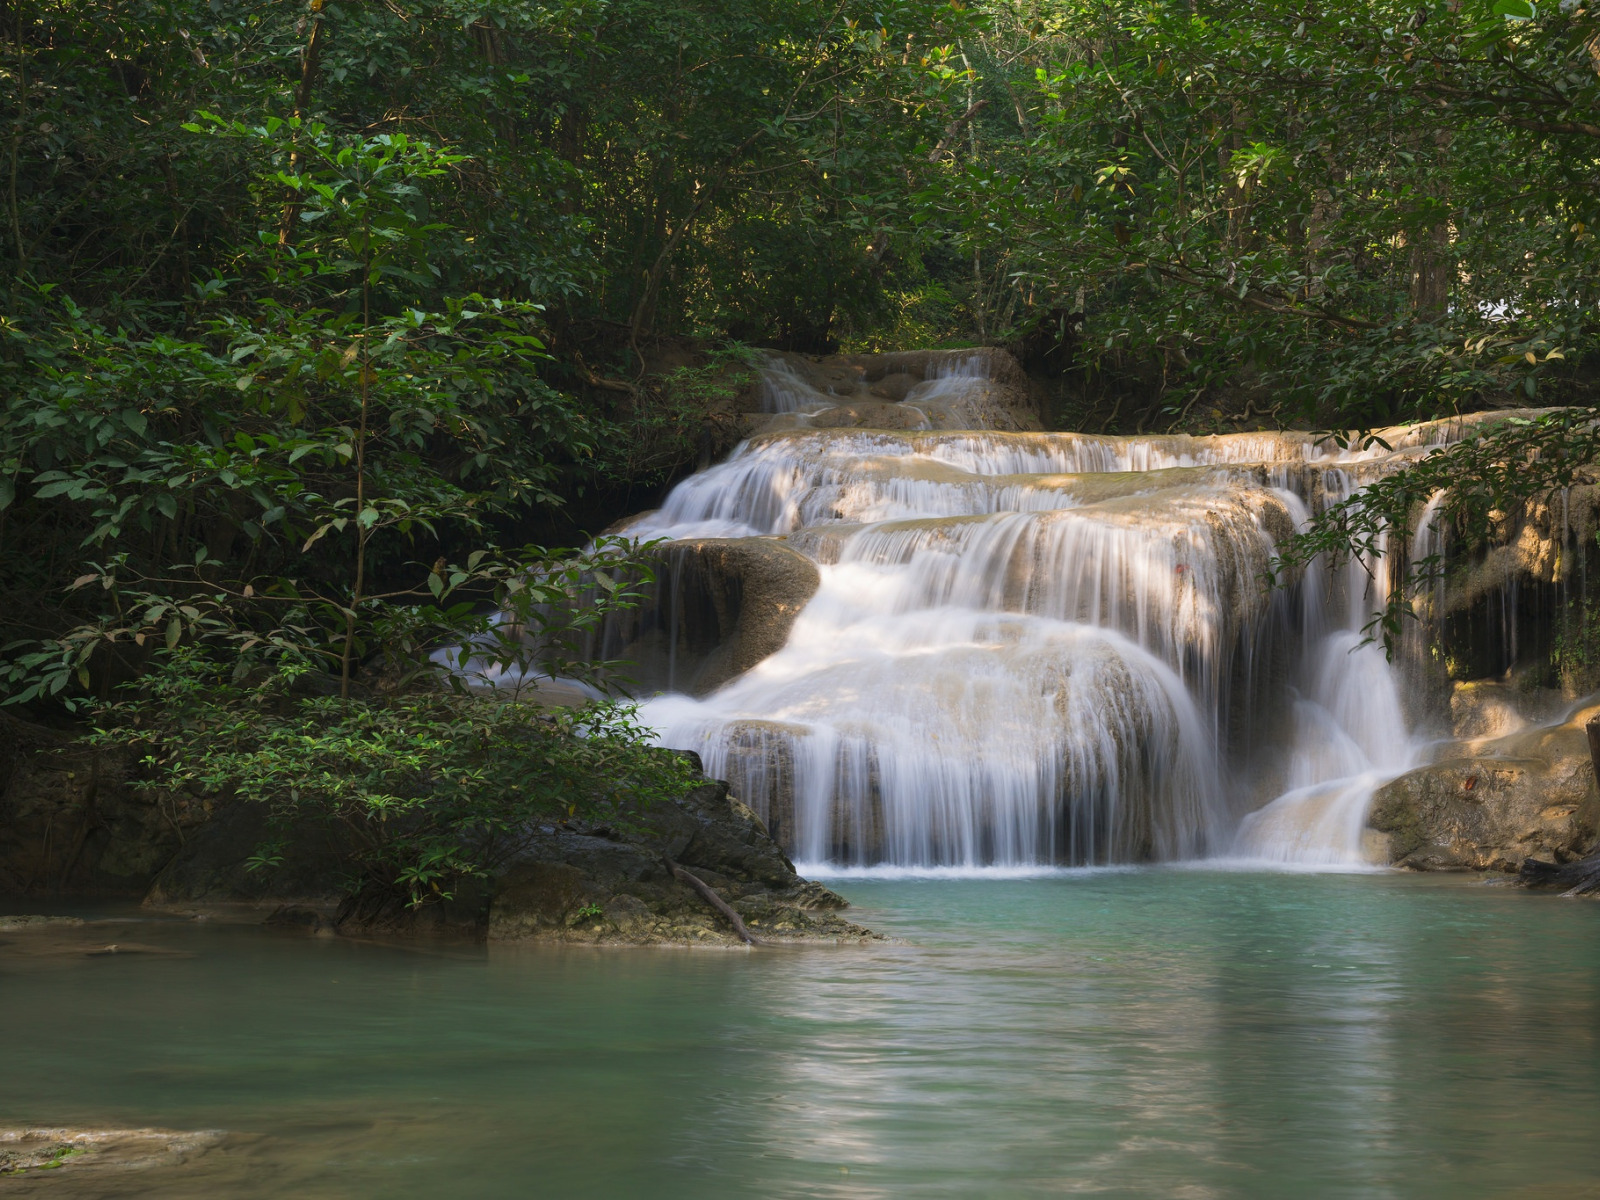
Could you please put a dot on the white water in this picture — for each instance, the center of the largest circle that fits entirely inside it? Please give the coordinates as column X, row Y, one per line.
column 1035, row 650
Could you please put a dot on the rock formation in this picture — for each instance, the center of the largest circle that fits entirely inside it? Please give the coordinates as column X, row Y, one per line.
column 1506, row 792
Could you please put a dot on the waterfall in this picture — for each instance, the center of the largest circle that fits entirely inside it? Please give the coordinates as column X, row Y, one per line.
column 1030, row 649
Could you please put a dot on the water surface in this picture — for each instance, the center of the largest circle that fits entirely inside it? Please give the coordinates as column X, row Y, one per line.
column 1162, row 1033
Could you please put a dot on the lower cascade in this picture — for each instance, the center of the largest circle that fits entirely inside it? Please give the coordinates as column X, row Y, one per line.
column 961, row 644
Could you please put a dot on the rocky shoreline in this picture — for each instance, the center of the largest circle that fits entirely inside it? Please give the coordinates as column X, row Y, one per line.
column 568, row 883
column 1513, row 793
column 698, row 871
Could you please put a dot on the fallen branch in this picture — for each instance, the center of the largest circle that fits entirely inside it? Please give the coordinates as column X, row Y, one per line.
column 711, row 898
column 593, row 380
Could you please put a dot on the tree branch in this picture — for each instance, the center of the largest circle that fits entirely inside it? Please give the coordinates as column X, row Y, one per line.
column 954, row 128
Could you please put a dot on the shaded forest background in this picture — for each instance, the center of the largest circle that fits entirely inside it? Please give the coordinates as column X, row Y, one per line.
column 312, row 307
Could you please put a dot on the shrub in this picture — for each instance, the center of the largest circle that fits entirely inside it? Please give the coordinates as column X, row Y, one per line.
column 424, row 789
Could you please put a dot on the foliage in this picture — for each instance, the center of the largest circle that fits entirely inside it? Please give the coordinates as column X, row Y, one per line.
column 679, row 412
column 290, row 443
column 303, row 297
column 423, row 790
column 1469, row 485
column 284, row 281
column 1371, row 212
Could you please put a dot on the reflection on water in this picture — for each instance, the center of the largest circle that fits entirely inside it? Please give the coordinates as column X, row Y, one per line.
column 1138, row 1034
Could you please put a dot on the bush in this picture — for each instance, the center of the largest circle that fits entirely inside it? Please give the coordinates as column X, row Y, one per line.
column 425, row 789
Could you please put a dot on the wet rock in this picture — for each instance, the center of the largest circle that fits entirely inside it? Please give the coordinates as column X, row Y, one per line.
column 600, row 887
column 981, row 362
column 981, row 388
column 720, row 606
column 29, row 923
column 570, row 884
column 867, row 414
column 979, row 404
column 894, row 387
column 213, row 866
column 70, row 822
column 1491, row 708
column 1580, row 878
column 1491, row 804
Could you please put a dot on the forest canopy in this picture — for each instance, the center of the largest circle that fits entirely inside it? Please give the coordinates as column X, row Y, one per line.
column 311, row 309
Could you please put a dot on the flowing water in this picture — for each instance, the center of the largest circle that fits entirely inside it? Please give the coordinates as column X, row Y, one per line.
column 1146, row 1033
column 1045, row 648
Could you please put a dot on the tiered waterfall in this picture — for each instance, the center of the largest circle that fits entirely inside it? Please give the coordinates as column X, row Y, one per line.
column 1028, row 649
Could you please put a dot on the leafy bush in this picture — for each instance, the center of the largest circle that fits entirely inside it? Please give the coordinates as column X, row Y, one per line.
column 423, row 789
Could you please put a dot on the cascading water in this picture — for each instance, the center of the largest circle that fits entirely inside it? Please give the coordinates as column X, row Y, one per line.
column 1041, row 648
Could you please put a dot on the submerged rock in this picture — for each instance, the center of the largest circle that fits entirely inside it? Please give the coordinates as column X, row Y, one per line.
column 26, row 1151
column 18, row 924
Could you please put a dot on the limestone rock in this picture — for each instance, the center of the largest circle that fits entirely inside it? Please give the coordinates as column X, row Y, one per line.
column 869, row 414
column 30, row 922
column 69, row 821
column 567, row 884
column 1493, row 803
column 98, row 1151
column 894, row 387
column 981, row 404
column 211, row 866
column 979, row 388
column 721, row 606
column 599, row 887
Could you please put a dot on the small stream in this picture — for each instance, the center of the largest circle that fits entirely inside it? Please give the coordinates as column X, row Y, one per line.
column 1152, row 1032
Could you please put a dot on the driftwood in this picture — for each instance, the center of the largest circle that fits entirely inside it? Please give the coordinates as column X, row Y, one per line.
column 1581, row 878
column 711, row 898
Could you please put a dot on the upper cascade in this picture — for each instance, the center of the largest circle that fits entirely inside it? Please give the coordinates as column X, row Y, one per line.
column 1019, row 648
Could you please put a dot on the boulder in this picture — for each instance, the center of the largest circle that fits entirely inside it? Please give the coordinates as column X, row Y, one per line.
column 70, row 821
column 212, row 865
column 721, row 605
column 1491, row 804
column 603, row 887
